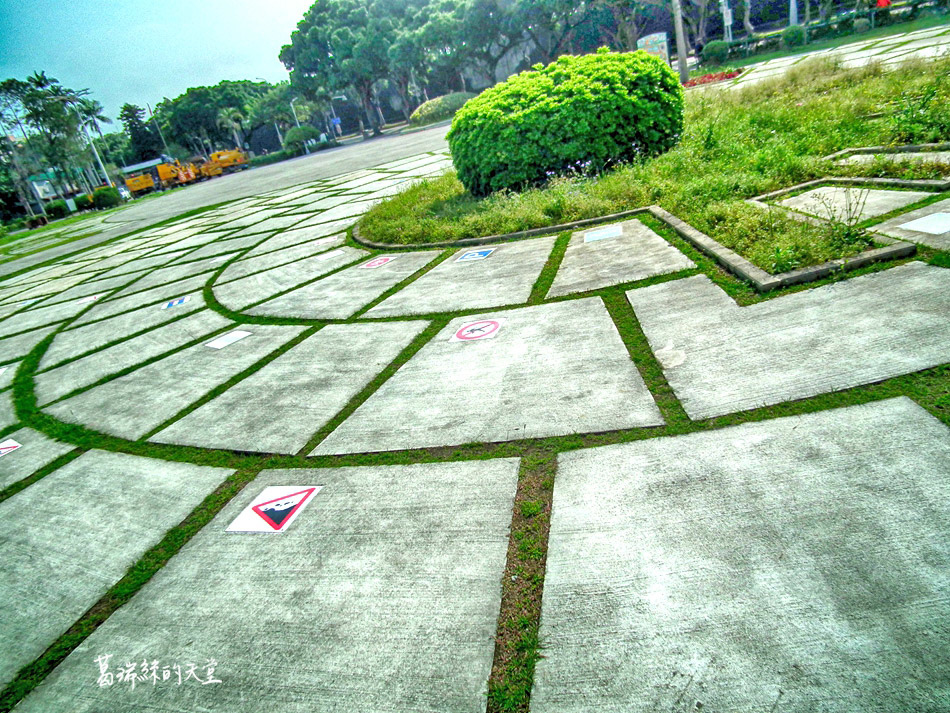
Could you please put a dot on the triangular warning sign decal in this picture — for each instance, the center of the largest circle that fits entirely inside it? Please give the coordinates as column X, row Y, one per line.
column 277, row 512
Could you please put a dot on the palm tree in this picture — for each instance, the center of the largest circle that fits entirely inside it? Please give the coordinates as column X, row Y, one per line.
column 230, row 119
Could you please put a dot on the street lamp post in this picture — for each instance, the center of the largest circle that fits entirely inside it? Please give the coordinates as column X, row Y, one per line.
column 680, row 42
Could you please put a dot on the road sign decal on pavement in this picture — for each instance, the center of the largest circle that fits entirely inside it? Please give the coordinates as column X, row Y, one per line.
column 90, row 298
column 177, row 301
column 274, row 508
column 471, row 255
column 611, row 231
column 473, row 331
column 332, row 253
column 8, row 446
column 378, row 262
column 226, row 339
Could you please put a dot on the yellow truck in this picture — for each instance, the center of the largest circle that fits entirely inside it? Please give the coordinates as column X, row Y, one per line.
column 229, row 161
column 140, row 184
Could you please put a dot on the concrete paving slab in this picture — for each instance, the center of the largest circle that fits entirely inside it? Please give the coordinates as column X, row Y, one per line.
column 321, row 202
column 433, row 169
column 7, row 412
column 19, row 346
column 362, row 181
column 906, row 227
column 173, row 273
column 52, row 384
column 280, row 407
column 7, row 373
column 149, row 262
column 238, row 294
column 385, row 598
column 94, row 287
column 344, row 293
column 132, row 405
column 255, row 216
column 720, row 358
column 220, row 247
column 847, row 203
column 299, row 236
column 48, row 288
column 155, row 296
column 503, row 278
column 348, row 212
column 71, row 343
column 278, row 222
column 613, row 254
column 532, row 379
column 73, row 534
column 35, row 451
column 797, row 565
column 250, row 264
column 40, row 317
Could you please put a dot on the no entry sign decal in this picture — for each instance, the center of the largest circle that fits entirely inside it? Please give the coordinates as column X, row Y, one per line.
column 473, row 331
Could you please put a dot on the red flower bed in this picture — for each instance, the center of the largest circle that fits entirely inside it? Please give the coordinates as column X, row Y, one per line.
column 714, row 77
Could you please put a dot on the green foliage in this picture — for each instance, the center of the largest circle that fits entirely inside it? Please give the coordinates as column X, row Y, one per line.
column 716, row 52
column 144, row 142
column 578, row 115
column 439, row 109
column 272, row 157
column 194, row 115
column 735, row 145
column 297, row 136
column 793, row 36
column 57, row 209
column 862, row 25
column 106, row 197
column 83, row 201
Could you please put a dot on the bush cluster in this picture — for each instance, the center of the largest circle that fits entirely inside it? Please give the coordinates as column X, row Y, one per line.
column 578, row 115
column 57, row 209
column 106, row 197
column 716, row 52
column 793, row 36
column 297, row 136
column 862, row 25
column 439, row 109
column 83, row 201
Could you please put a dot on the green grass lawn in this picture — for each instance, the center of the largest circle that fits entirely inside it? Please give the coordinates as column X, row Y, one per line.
column 878, row 33
column 735, row 145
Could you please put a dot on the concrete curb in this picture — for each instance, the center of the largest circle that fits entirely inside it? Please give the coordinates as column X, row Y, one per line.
column 908, row 148
column 729, row 259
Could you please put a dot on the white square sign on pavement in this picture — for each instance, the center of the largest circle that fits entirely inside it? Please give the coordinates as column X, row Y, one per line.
column 8, row 446
column 934, row 224
column 274, row 508
column 472, row 255
column 611, row 231
column 226, row 339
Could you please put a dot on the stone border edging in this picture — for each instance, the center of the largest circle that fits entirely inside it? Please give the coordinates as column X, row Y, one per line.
column 907, row 148
column 729, row 259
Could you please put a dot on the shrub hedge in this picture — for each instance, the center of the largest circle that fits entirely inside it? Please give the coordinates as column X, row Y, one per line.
column 297, row 136
column 716, row 52
column 439, row 109
column 57, row 209
column 83, row 201
column 106, row 197
column 793, row 36
column 578, row 115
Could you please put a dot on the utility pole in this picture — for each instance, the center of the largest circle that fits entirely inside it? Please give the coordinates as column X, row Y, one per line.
column 297, row 122
column 792, row 12
column 157, row 126
column 681, row 41
column 85, row 127
column 726, row 20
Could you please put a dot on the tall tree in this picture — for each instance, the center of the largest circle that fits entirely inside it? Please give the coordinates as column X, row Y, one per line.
column 341, row 44
column 551, row 24
column 231, row 119
column 144, row 142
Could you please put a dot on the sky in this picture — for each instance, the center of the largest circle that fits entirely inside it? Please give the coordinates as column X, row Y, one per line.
column 141, row 51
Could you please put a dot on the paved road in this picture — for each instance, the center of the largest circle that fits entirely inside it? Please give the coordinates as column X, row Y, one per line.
column 324, row 164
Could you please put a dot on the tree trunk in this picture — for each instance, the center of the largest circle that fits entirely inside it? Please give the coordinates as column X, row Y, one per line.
column 747, row 17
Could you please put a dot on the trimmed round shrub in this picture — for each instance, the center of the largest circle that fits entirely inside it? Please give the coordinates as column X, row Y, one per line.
column 106, row 197
column 578, row 115
column 57, row 209
column 716, row 52
column 439, row 109
column 793, row 36
column 862, row 25
column 299, row 135
column 83, row 201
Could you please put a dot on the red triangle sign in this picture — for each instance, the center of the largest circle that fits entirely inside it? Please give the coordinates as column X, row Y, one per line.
column 279, row 512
